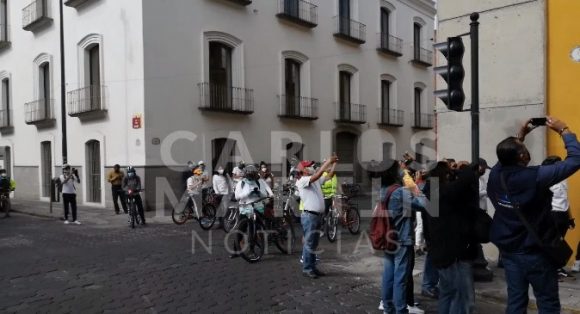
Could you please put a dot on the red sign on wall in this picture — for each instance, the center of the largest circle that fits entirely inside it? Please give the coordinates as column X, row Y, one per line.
column 136, row 122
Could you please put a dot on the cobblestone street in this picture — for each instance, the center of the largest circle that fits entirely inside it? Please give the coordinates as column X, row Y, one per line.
column 50, row 267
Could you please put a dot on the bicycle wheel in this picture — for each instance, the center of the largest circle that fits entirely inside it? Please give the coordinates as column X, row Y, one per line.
column 207, row 218
column 181, row 218
column 133, row 214
column 285, row 237
column 231, row 219
column 331, row 226
column 353, row 220
column 251, row 242
column 4, row 208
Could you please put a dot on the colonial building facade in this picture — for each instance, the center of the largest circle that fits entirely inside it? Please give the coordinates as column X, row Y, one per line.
column 154, row 84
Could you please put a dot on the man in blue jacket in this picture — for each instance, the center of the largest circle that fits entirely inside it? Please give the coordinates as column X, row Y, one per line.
column 528, row 188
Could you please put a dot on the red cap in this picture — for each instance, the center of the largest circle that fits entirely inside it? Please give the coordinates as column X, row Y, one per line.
column 305, row 163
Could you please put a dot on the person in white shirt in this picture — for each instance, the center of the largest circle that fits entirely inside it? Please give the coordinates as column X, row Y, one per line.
column 222, row 187
column 194, row 185
column 69, row 192
column 310, row 190
column 250, row 189
column 560, row 206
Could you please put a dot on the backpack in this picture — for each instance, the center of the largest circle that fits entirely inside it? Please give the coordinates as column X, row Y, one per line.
column 382, row 233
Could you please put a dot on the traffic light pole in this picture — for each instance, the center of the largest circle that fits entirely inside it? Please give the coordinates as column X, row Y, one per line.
column 474, row 35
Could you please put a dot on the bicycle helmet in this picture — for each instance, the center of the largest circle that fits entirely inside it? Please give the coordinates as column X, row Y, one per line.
column 130, row 169
column 251, row 172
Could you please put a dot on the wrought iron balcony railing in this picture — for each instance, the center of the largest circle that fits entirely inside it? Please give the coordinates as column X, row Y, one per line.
column 39, row 111
column 350, row 113
column 35, row 15
column 87, row 100
column 298, row 11
column 4, row 36
column 423, row 120
column 75, row 3
column 350, row 30
column 241, row 2
column 390, row 44
column 5, row 119
column 392, row 117
column 226, row 98
column 423, row 57
column 298, row 107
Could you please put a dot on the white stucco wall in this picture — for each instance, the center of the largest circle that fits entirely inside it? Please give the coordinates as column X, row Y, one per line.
column 120, row 25
column 512, row 80
column 174, row 95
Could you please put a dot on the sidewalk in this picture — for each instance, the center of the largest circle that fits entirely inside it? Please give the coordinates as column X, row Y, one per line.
column 363, row 264
column 97, row 216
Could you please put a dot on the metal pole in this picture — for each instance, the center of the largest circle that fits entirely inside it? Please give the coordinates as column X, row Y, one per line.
column 474, row 34
column 62, row 89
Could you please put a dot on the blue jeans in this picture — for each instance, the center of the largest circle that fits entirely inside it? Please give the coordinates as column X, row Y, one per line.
column 395, row 275
column 430, row 275
column 523, row 270
column 456, row 291
column 311, row 231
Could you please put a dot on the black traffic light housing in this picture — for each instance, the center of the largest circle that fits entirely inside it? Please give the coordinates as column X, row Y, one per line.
column 453, row 73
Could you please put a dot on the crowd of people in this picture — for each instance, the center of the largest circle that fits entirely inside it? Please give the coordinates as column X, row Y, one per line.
column 528, row 200
column 434, row 211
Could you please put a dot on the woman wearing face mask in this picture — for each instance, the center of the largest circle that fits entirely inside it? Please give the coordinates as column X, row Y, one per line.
column 266, row 175
column 221, row 186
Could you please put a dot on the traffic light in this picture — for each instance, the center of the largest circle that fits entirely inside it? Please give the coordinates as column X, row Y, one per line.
column 453, row 73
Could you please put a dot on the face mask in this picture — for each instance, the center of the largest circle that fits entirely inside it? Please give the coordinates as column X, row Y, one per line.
column 309, row 170
column 264, row 169
column 131, row 174
column 221, row 171
column 3, row 175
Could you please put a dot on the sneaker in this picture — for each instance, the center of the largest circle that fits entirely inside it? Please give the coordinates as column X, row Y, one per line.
column 76, row 222
column 66, row 222
column 414, row 310
column 562, row 273
column 576, row 267
column 381, row 306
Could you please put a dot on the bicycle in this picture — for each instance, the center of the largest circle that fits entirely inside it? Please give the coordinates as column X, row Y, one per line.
column 251, row 243
column 343, row 212
column 231, row 218
column 206, row 219
column 4, row 205
column 134, row 217
column 351, row 190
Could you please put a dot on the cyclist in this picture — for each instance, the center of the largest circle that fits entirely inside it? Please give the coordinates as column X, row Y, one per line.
column 7, row 185
column 206, row 179
column 133, row 182
column 194, row 186
column 250, row 189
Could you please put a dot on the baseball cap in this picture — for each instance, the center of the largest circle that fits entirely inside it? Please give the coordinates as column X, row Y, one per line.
column 201, row 163
column 304, row 164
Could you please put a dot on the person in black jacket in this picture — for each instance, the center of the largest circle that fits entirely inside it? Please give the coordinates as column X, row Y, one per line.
column 527, row 194
column 451, row 247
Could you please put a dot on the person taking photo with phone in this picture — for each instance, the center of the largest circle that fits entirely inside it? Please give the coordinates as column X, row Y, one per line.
column 523, row 227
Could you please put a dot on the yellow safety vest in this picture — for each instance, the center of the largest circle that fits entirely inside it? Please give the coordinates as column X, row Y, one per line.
column 329, row 187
